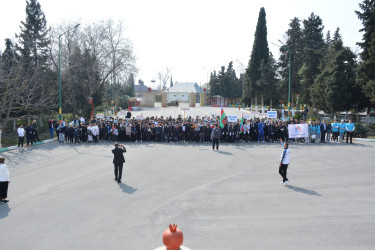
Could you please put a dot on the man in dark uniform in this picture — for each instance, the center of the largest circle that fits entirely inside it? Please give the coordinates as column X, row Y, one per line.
column 118, row 160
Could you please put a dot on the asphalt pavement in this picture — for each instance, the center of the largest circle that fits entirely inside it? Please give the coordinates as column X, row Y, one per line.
column 63, row 196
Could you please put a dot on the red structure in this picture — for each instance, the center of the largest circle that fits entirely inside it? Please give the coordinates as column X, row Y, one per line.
column 134, row 104
column 173, row 237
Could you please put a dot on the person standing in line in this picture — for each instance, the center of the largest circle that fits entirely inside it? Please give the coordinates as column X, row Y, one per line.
column 323, row 130
column 215, row 136
column 4, row 181
column 29, row 135
column 118, row 160
column 35, row 131
column 329, row 130
column 284, row 163
column 261, row 131
column 21, row 136
column 342, row 128
column 51, row 127
column 349, row 131
column 335, row 131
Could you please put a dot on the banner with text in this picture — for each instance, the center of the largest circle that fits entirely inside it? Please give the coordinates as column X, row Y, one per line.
column 298, row 130
column 232, row 118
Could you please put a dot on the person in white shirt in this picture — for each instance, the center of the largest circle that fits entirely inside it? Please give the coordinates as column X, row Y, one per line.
column 4, row 181
column 284, row 163
column 21, row 136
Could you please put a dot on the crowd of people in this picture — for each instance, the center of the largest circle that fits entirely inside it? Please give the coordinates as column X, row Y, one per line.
column 176, row 130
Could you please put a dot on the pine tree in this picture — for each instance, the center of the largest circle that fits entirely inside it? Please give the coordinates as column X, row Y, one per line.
column 34, row 38
column 334, row 87
column 296, row 44
column 214, row 84
column 313, row 54
column 130, row 83
column 9, row 56
column 259, row 52
column 366, row 72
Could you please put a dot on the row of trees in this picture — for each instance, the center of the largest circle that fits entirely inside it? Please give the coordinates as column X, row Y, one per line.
column 97, row 61
column 225, row 83
column 325, row 74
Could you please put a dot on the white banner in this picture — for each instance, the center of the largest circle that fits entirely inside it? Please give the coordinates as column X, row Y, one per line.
column 232, row 118
column 298, row 130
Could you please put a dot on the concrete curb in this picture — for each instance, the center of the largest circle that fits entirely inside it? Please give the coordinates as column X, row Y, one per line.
column 16, row 147
column 363, row 139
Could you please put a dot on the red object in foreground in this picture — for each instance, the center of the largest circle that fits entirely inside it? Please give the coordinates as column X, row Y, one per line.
column 173, row 237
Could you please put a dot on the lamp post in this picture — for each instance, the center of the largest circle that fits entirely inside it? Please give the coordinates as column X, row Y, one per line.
column 60, row 108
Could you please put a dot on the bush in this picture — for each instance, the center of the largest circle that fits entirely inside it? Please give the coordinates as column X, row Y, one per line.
column 360, row 130
column 297, row 115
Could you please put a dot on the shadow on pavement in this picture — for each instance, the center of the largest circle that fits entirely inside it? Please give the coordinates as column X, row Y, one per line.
column 127, row 189
column 4, row 210
column 224, row 153
column 303, row 190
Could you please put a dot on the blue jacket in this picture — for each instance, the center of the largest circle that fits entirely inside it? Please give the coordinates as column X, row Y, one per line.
column 260, row 127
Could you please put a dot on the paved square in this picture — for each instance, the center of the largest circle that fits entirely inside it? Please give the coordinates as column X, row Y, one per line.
column 63, row 196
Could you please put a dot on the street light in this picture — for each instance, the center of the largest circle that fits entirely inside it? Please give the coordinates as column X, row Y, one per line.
column 207, row 71
column 60, row 108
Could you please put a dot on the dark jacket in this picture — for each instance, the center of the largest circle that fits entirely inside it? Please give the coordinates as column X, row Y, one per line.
column 118, row 155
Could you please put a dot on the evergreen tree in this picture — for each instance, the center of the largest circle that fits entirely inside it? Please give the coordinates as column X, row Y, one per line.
column 171, row 85
column 313, row 54
column 334, row 88
column 259, row 52
column 224, row 87
column 268, row 81
column 366, row 72
column 296, row 45
column 130, row 85
column 214, row 84
column 34, row 38
column 9, row 56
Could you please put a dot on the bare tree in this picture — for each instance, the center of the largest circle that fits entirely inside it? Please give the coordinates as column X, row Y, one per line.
column 110, row 51
column 164, row 76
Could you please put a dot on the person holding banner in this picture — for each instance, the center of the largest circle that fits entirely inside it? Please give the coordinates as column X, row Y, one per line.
column 284, row 163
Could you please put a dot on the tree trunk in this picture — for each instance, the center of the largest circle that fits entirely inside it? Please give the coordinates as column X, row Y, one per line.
column 262, row 103
column 14, row 125
column 256, row 102
column 0, row 137
column 368, row 116
column 271, row 104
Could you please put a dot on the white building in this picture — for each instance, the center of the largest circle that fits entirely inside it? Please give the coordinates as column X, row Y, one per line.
column 181, row 91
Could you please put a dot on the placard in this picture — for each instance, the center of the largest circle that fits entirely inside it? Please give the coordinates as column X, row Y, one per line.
column 271, row 114
column 232, row 118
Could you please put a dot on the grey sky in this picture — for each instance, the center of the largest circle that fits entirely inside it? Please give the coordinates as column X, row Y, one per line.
column 189, row 35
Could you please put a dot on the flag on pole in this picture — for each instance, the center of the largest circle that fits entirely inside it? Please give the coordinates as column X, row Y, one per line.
column 241, row 124
column 222, row 117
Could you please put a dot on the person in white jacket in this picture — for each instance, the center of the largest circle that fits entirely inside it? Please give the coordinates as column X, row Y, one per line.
column 21, row 136
column 284, row 163
column 4, row 181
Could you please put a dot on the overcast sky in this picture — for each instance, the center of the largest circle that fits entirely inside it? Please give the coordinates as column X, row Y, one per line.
column 188, row 36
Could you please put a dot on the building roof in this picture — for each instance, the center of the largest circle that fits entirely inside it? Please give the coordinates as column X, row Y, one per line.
column 140, row 88
column 185, row 87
